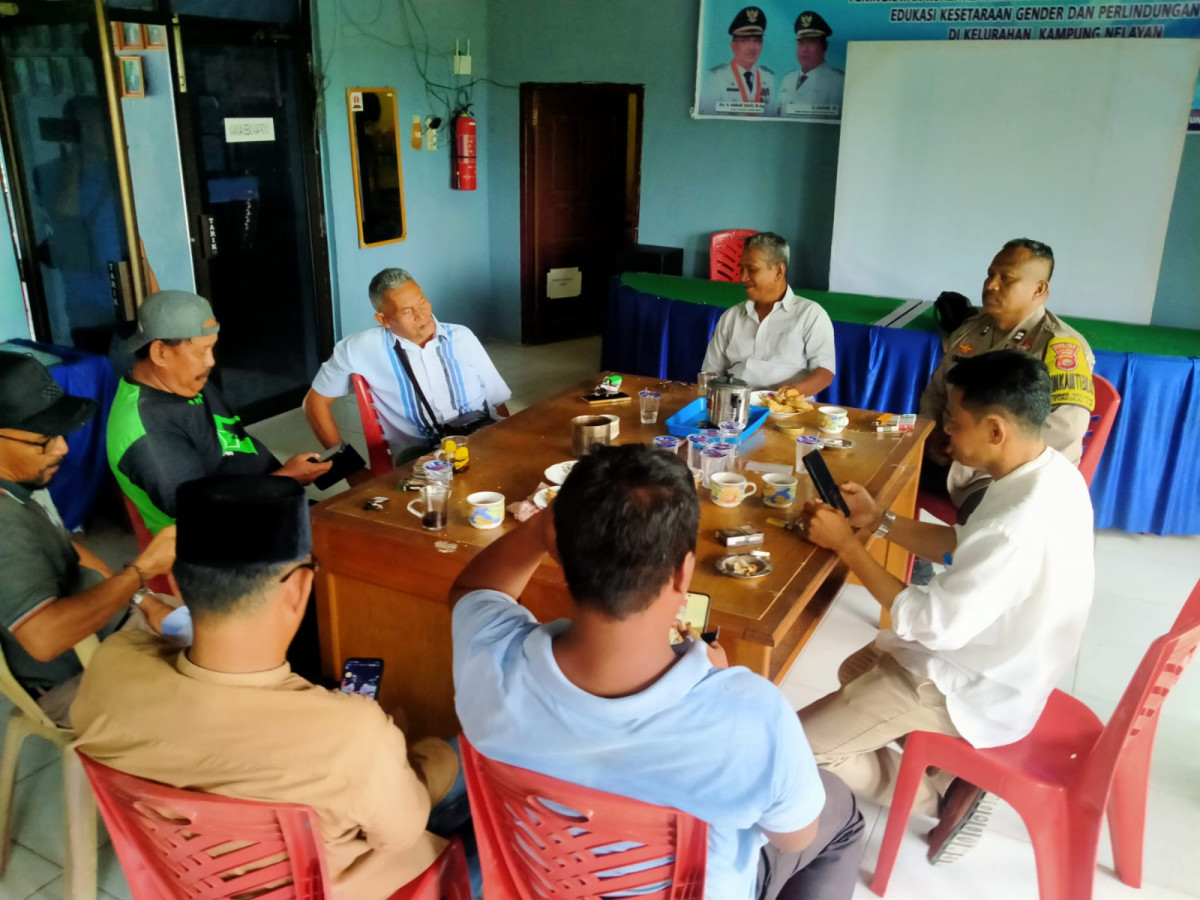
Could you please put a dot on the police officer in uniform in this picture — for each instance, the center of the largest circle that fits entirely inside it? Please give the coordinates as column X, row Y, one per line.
column 741, row 86
column 1014, row 317
column 814, row 89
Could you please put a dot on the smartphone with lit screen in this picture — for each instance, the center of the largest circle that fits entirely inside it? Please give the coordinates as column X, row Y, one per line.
column 361, row 675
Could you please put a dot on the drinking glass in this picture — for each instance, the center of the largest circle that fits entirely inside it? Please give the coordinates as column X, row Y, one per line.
column 650, row 401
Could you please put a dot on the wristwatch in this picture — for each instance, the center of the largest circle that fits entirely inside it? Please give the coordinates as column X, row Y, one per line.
column 885, row 524
column 139, row 595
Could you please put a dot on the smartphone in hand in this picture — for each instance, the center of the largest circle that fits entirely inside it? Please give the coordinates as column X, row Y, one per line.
column 362, row 675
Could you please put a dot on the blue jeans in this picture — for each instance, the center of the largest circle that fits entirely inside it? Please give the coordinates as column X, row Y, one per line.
column 452, row 816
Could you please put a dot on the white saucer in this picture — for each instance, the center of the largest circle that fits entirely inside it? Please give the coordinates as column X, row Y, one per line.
column 558, row 472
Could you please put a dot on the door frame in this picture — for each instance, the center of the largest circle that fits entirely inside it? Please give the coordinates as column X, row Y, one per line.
column 299, row 38
column 530, row 281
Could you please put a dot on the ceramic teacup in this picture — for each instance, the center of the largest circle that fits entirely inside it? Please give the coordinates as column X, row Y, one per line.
column 487, row 509
column 730, row 488
column 779, row 490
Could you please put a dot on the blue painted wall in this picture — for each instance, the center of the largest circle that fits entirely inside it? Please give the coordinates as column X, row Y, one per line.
column 373, row 45
column 1177, row 303
column 697, row 176
column 157, row 180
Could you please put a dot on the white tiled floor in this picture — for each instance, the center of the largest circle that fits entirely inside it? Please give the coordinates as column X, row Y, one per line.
column 1143, row 582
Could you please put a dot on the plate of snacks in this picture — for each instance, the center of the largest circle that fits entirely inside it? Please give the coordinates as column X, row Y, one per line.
column 545, row 497
column 781, row 404
column 743, row 565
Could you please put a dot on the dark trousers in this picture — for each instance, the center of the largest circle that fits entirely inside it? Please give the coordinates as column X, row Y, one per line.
column 827, row 869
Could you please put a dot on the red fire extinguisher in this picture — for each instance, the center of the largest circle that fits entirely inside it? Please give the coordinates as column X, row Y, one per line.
column 464, row 151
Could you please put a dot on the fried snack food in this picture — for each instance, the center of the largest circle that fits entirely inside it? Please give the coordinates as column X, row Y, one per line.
column 788, row 401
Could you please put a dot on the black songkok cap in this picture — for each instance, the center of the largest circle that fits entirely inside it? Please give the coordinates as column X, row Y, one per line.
column 242, row 520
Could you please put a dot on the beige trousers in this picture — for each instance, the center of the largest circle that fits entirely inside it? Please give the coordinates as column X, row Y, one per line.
column 879, row 702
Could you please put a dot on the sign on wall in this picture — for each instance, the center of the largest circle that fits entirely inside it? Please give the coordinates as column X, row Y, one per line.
column 784, row 60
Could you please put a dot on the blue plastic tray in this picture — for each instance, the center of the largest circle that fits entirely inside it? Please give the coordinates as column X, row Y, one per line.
column 693, row 417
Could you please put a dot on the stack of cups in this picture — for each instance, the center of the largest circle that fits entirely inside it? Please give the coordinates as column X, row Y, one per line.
column 730, row 451
column 712, row 461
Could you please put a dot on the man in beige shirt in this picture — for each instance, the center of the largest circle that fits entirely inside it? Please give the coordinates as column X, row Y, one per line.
column 229, row 717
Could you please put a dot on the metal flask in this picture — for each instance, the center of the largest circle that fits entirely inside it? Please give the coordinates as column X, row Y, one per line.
column 728, row 400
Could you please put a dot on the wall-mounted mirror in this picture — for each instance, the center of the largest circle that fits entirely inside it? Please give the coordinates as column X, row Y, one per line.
column 375, row 154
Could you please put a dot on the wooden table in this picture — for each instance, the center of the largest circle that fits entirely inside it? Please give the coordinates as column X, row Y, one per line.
column 383, row 584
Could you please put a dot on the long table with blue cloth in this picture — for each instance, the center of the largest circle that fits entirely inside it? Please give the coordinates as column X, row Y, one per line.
column 1148, row 479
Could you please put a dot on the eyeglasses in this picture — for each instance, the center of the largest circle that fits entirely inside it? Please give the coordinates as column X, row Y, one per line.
column 314, row 565
column 42, row 445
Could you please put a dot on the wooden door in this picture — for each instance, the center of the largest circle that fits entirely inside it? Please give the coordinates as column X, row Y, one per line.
column 580, row 189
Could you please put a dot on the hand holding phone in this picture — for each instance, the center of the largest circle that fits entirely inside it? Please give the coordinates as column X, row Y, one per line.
column 826, row 487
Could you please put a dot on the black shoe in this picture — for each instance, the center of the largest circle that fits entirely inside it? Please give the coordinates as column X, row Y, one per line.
column 965, row 812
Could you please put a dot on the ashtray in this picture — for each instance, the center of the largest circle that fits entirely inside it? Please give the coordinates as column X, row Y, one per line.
column 743, row 565
column 833, row 443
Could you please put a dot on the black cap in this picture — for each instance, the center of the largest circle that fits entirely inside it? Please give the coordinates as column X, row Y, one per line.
column 810, row 24
column 242, row 520
column 751, row 20
column 31, row 400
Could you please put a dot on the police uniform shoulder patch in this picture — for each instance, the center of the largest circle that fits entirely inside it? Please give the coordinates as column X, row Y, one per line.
column 1070, row 374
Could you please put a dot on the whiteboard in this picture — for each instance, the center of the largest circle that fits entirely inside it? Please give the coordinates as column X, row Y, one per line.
column 950, row 149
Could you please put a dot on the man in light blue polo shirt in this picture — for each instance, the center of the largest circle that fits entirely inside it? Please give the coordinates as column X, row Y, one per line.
column 605, row 701
column 451, row 368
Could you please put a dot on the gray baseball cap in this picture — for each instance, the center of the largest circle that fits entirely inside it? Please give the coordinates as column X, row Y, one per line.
column 171, row 315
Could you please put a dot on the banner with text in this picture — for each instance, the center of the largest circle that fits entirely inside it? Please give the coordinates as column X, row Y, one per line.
column 786, row 60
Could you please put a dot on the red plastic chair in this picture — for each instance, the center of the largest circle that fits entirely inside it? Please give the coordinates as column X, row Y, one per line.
column 532, row 846
column 725, row 254
column 187, row 845
column 1103, row 416
column 160, row 584
column 377, row 448
column 1066, row 775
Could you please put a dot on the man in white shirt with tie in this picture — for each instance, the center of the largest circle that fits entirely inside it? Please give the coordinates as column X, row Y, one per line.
column 775, row 339
column 741, row 87
column 453, row 372
column 977, row 651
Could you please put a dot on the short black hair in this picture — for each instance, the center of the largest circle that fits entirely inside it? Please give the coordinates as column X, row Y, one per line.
column 212, row 591
column 626, row 519
column 1007, row 380
column 143, row 352
column 1037, row 248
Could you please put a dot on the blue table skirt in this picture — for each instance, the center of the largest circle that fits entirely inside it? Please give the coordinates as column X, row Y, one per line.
column 1149, row 476
column 84, row 473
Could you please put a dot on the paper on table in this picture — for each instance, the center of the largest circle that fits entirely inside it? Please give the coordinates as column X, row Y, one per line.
column 564, row 283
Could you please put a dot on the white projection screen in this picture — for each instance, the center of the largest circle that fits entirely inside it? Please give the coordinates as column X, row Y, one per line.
column 949, row 149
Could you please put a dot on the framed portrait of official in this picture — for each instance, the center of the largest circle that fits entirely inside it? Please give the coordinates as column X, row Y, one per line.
column 785, row 60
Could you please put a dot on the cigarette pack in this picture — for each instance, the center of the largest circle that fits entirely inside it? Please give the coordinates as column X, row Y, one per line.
column 742, row 536
column 907, row 422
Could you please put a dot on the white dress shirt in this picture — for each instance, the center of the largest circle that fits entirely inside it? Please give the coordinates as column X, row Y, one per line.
column 453, row 370
column 817, row 92
column 996, row 631
column 794, row 340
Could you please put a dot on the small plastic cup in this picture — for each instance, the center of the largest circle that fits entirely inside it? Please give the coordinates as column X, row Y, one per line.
column 649, row 401
column 668, row 442
column 731, row 432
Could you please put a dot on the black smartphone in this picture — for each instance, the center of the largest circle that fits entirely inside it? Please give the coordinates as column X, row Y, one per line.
column 827, row 488
column 331, row 452
column 361, row 675
column 711, row 637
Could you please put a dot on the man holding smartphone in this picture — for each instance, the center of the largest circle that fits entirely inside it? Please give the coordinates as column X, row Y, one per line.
column 978, row 650
column 604, row 700
column 228, row 715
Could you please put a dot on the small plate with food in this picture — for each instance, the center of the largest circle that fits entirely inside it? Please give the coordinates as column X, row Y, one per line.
column 781, row 404
column 545, row 497
column 558, row 472
column 743, row 565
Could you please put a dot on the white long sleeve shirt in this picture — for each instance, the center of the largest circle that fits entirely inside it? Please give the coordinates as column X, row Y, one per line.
column 998, row 628
column 794, row 340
